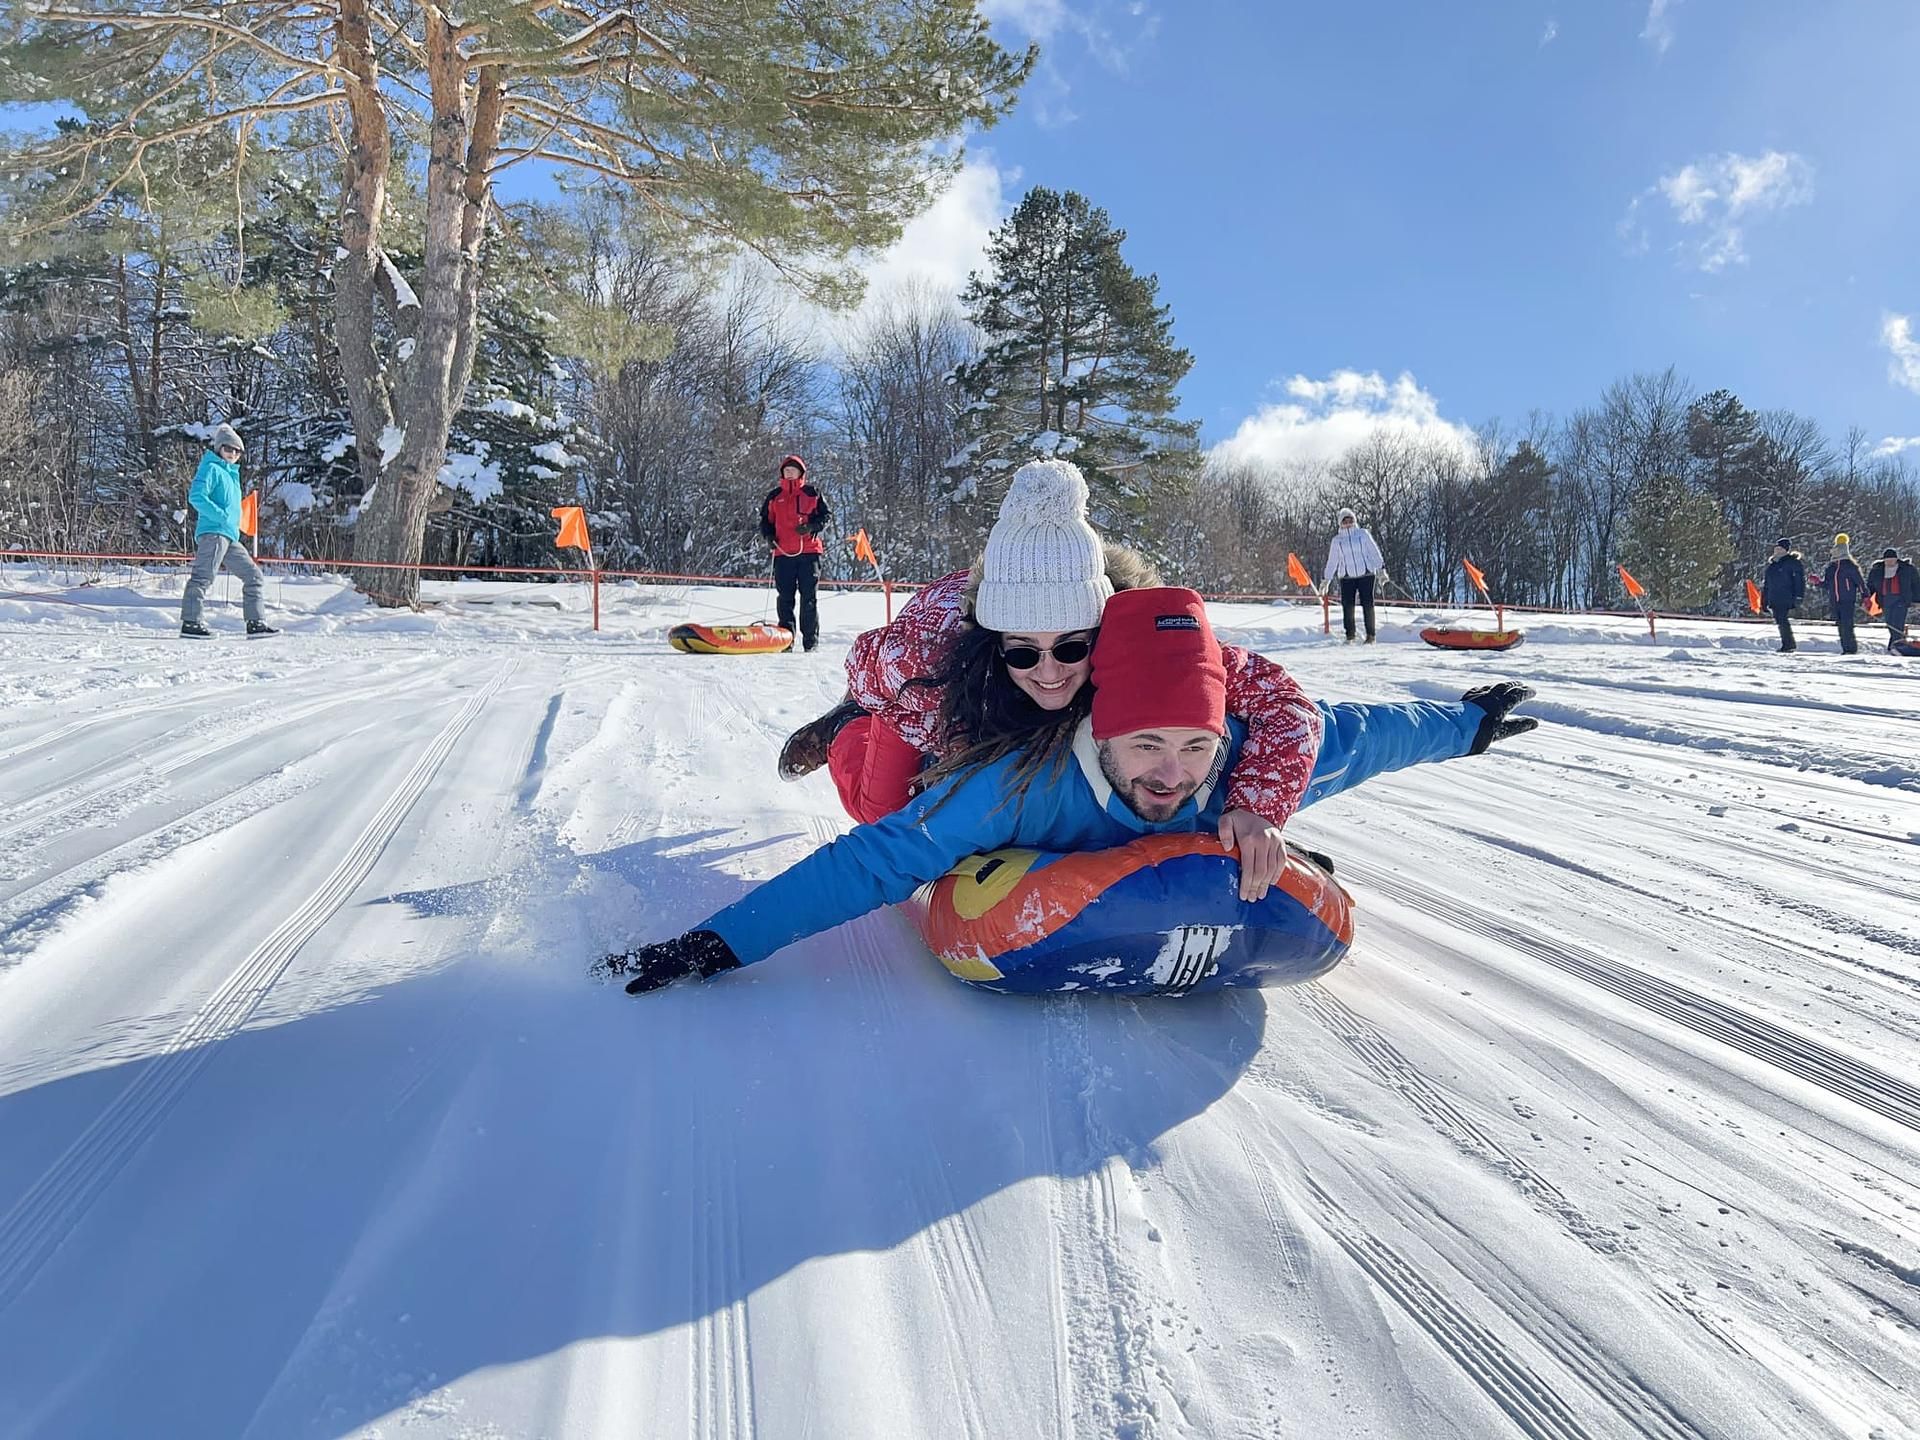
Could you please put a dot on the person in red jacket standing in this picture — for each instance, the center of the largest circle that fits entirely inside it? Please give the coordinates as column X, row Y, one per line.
column 792, row 518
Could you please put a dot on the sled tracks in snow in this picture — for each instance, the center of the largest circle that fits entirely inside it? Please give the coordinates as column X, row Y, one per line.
column 1499, row 1369
column 35, row 1228
column 1818, row 1064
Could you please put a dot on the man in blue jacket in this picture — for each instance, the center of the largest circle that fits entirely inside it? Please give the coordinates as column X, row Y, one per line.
column 1147, row 760
column 215, row 498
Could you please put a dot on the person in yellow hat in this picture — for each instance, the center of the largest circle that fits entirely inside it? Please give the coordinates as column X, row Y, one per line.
column 1843, row 584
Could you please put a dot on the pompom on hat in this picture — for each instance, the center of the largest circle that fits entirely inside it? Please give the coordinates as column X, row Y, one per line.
column 1843, row 538
column 1044, row 569
column 1157, row 665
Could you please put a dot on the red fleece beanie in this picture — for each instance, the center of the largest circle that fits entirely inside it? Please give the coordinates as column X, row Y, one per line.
column 1156, row 665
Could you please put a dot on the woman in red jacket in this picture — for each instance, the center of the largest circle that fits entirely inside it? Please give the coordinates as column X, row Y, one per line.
column 993, row 654
column 792, row 517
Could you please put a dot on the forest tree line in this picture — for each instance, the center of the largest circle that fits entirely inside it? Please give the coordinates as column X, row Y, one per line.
column 659, row 388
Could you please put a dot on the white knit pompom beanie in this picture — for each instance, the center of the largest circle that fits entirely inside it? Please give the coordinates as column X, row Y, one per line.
column 1044, row 569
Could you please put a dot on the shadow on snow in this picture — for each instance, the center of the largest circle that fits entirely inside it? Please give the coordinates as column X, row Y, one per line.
column 496, row 1160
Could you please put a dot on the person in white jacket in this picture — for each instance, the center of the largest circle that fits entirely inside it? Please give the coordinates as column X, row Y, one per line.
column 1354, row 560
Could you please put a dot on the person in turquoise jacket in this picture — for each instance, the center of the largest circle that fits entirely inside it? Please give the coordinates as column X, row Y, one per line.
column 215, row 498
column 1147, row 760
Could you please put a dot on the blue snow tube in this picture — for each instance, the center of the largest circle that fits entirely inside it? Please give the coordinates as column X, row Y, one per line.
column 1159, row 916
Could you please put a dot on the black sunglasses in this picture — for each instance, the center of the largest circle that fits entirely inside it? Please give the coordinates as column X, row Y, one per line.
column 1025, row 657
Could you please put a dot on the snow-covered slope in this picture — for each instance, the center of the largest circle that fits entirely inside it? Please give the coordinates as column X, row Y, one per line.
column 311, row 1126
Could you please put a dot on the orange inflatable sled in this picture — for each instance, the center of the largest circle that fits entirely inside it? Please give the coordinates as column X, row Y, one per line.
column 753, row 639
column 1445, row 637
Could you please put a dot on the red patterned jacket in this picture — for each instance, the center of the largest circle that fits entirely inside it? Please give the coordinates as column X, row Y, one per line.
column 1283, row 725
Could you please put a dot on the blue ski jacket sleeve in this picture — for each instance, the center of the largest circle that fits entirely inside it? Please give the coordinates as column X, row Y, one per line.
column 881, row 863
column 1361, row 741
column 215, row 498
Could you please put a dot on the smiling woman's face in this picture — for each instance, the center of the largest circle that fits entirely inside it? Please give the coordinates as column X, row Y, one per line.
column 1051, row 685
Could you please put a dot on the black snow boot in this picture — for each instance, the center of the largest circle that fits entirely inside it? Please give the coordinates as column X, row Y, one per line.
column 257, row 628
column 194, row 630
column 806, row 749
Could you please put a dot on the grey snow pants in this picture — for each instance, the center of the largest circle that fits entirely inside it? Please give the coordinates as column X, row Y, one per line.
column 210, row 552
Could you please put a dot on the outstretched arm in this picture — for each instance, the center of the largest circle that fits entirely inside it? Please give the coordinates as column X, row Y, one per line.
column 1365, row 740
column 869, row 866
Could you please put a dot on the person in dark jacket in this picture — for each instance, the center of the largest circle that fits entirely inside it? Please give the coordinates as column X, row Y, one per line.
column 1843, row 584
column 1894, row 582
column 791, row 518
column 1784, row 588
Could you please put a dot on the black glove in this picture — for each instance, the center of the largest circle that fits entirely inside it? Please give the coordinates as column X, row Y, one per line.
column 1496, row 701
column 698, row 952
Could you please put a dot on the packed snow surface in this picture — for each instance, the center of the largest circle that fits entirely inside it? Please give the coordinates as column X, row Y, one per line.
column 311, row 1124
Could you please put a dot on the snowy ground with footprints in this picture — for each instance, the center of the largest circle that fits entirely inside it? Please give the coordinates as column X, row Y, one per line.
column 312, row 1125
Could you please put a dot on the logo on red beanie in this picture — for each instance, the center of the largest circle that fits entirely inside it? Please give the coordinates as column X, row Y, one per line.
column 1156, row 665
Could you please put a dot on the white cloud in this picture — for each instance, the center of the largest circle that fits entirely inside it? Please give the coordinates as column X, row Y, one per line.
column 1659, row 27
column 1113, row 32
column 1040, row 19
column 1550, row 34
column 935, row 253
column 1322, row 419
column 1717, row 196
column 942, row 246
column 1894, row 444
column 1896, row 333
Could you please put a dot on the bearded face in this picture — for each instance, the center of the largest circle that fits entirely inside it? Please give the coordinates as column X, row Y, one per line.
column 1154, row 772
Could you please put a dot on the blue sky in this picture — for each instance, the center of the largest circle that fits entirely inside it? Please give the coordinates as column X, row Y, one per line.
column 1447, row 213
column 1435, row 214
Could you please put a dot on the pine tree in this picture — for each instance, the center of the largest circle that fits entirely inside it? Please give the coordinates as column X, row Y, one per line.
column 1721, row 436
column 805, row 130
column 1675, row 542
column 1079, row 362
column 1508, row 530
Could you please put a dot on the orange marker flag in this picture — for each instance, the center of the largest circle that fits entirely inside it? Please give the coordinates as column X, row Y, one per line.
column 1873, row 603
column 1634, row 587
column 573, row 529
column 250, row 513
column 1297, row 572
column 1479, row 580
column 1753, row 597
column 863, row 548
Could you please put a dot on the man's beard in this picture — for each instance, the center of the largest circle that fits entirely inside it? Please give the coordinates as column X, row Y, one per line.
column 1158, row 808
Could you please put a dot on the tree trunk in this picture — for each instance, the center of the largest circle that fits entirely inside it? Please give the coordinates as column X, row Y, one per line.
column 461, row 146
column 363, row 203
